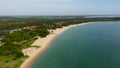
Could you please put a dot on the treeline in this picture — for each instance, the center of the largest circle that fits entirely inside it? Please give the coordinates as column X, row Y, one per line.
column 18, row 23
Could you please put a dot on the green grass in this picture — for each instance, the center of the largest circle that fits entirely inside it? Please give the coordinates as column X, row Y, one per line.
column 36, row 46
column 9, row 62
column 27, row 44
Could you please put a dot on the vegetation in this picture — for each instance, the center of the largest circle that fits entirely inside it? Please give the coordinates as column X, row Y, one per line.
column 19, row 33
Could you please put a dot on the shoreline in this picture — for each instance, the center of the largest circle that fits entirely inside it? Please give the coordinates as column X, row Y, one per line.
column 45, row 43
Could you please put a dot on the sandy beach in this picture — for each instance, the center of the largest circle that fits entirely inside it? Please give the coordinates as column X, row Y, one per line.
column 44, row 43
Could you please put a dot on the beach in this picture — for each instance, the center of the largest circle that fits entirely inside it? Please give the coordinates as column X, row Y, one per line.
column 44, row 43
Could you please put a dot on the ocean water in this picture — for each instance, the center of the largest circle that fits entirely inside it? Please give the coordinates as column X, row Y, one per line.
column 95, row 45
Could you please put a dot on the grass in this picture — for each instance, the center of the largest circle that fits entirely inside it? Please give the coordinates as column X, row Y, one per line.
column 27, row 44
column 36, row 46
column 9, row 62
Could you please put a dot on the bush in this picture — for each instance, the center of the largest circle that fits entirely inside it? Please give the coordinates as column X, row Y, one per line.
column 19, row 54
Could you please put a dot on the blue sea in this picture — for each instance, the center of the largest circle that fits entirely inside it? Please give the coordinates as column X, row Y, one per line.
column 95, row 45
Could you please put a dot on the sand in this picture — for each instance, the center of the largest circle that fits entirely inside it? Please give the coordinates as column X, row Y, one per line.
column 35, row 53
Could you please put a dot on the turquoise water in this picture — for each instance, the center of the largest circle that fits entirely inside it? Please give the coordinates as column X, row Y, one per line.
column 95, row 45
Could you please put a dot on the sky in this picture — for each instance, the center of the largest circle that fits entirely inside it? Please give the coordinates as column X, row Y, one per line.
column 59, row 7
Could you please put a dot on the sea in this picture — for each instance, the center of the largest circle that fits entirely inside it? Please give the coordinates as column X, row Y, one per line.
column 95, row 45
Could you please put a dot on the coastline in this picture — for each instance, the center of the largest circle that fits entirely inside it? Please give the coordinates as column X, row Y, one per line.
column 45, row 43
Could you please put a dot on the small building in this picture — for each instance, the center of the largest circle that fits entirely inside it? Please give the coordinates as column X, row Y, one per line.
column 6, row 31
column 58, row 23
column 1, row 37
column 31, row 27
column 11, row 31
column 20, row 29
column 1, row 43
column 24, row 28
column 76, row 21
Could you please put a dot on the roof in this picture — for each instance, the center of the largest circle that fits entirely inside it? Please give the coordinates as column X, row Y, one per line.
column 2, row 36
column 2, row 42
column 6, row 30
column 58, row 23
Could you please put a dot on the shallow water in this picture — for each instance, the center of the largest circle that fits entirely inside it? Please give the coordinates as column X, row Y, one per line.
column 95, row 45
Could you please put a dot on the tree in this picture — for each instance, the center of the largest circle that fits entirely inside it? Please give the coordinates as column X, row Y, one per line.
column 19, row 54
column 44, row 32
